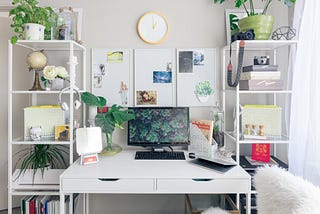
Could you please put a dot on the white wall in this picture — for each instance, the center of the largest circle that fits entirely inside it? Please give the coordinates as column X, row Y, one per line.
column 112, row 24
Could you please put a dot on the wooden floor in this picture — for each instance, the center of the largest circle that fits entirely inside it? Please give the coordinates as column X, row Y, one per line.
column 14, row 211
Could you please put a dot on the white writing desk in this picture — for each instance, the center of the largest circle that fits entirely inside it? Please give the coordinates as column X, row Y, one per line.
column 123, row 174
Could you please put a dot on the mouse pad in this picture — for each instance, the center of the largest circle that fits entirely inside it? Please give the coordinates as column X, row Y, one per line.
column 212, row 165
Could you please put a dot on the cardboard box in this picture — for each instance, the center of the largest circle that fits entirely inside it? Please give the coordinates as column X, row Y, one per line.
column 45, row 116
column 267, row 115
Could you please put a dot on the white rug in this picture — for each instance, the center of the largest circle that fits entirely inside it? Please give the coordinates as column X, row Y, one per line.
column 215, row 210
column 280, row 192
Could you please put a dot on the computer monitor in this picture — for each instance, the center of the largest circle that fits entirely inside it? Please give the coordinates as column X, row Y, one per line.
column 159, row 126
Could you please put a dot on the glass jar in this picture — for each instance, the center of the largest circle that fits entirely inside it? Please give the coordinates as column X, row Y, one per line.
column 66, row 24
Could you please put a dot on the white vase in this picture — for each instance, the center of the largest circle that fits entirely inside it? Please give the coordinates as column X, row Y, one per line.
column 57, row 84
column 92, row 112
column 33, row 31
column 203, row 99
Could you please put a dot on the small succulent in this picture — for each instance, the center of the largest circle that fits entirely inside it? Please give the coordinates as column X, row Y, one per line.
column 204, row 89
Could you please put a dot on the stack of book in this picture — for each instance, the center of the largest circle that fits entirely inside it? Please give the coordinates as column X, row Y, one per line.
column 260, row 77
column 42, row 204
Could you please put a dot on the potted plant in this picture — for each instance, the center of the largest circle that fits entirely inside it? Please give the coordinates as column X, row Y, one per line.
column 53, row 77
column 262, row 24
column 40, row 157
column 29, row 19
column 203, row 91
column 113, row 118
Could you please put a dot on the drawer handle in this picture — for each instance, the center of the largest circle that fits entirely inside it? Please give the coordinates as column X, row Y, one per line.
column 108, row 179
column 201, row 179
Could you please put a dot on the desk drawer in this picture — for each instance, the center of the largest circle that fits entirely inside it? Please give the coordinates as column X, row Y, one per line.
column 108, row 185
column 202, row 185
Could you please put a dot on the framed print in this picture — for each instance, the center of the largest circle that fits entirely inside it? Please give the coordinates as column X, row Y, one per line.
column 232, row 18
column 62, row 133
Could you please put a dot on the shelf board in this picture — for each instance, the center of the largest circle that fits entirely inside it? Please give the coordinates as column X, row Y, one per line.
column 273, row 140
column 41, row 92
column 39, row 192
column 49, row 181
column 262, row 44
column 21, row 141
column 265, row 92
column 50, row 45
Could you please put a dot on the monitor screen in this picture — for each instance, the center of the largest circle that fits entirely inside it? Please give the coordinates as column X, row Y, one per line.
column 159, row 126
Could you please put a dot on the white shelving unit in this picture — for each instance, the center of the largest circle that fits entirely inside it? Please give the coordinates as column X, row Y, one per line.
column 65, row 53
column 252, row 45
column 273, row 49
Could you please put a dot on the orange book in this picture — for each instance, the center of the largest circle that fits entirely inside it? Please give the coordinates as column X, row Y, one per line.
column 206, row 127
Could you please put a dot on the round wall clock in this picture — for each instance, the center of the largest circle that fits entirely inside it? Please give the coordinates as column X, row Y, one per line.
column 153, row 28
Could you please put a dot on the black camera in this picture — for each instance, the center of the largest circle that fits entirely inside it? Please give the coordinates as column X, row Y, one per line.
column 261, row 60
column 247, row 35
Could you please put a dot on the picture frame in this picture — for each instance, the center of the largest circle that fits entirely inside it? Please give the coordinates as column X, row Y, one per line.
column 232, row 18
column 62, row 132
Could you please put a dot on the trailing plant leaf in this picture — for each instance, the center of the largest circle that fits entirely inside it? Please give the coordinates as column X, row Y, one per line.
column 93, row 100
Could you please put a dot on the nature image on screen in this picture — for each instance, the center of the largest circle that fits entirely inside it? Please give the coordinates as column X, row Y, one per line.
column 159, row 126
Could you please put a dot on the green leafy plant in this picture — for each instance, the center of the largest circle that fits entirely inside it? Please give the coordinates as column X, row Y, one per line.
column 204, row 89
column 93, row 100
column 28, row 11
column 41, row 156
column 250, row 10
column 113, row 118
column 216, row 127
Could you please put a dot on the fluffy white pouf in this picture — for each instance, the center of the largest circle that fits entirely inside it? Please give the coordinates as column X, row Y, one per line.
column 280, row 192
column 215, row 210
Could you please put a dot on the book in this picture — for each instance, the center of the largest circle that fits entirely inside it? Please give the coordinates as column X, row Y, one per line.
column 260, row 68
column 206, row 127
column 260, row 75
column 244, row 163
column 261, row 152
column 23, row 204
column 272, row 162
column 261, row 85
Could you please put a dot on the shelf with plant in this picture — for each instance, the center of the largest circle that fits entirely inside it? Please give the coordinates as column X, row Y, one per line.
column 261, row 23
column 28, row 11
column 39, row 158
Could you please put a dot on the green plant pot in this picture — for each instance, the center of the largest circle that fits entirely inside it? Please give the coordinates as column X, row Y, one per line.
column 261, row 24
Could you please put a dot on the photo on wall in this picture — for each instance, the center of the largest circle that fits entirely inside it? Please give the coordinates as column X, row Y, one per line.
column 115, row 56
column 99, row 69
column 162, row 77
column 185, row 61
column 145, row 97
column 198, row 57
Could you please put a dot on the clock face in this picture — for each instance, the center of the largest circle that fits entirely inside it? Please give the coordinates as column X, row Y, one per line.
column 153, row 28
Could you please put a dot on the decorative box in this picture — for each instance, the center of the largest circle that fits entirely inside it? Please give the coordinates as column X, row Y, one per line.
column 261, row 85
column 269, row 116
column 46, row 117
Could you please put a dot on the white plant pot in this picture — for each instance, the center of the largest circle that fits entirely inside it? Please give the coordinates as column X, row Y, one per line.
column 57, row 84
column 33, row 31
column 203, row 99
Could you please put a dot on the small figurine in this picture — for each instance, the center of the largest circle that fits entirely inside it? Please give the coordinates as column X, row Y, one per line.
column 247, row 129
column 124, row 93
column 35, row 133
column 254, row 130
column 261, row 131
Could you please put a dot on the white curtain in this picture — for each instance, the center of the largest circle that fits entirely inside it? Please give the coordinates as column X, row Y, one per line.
column 304, row 146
